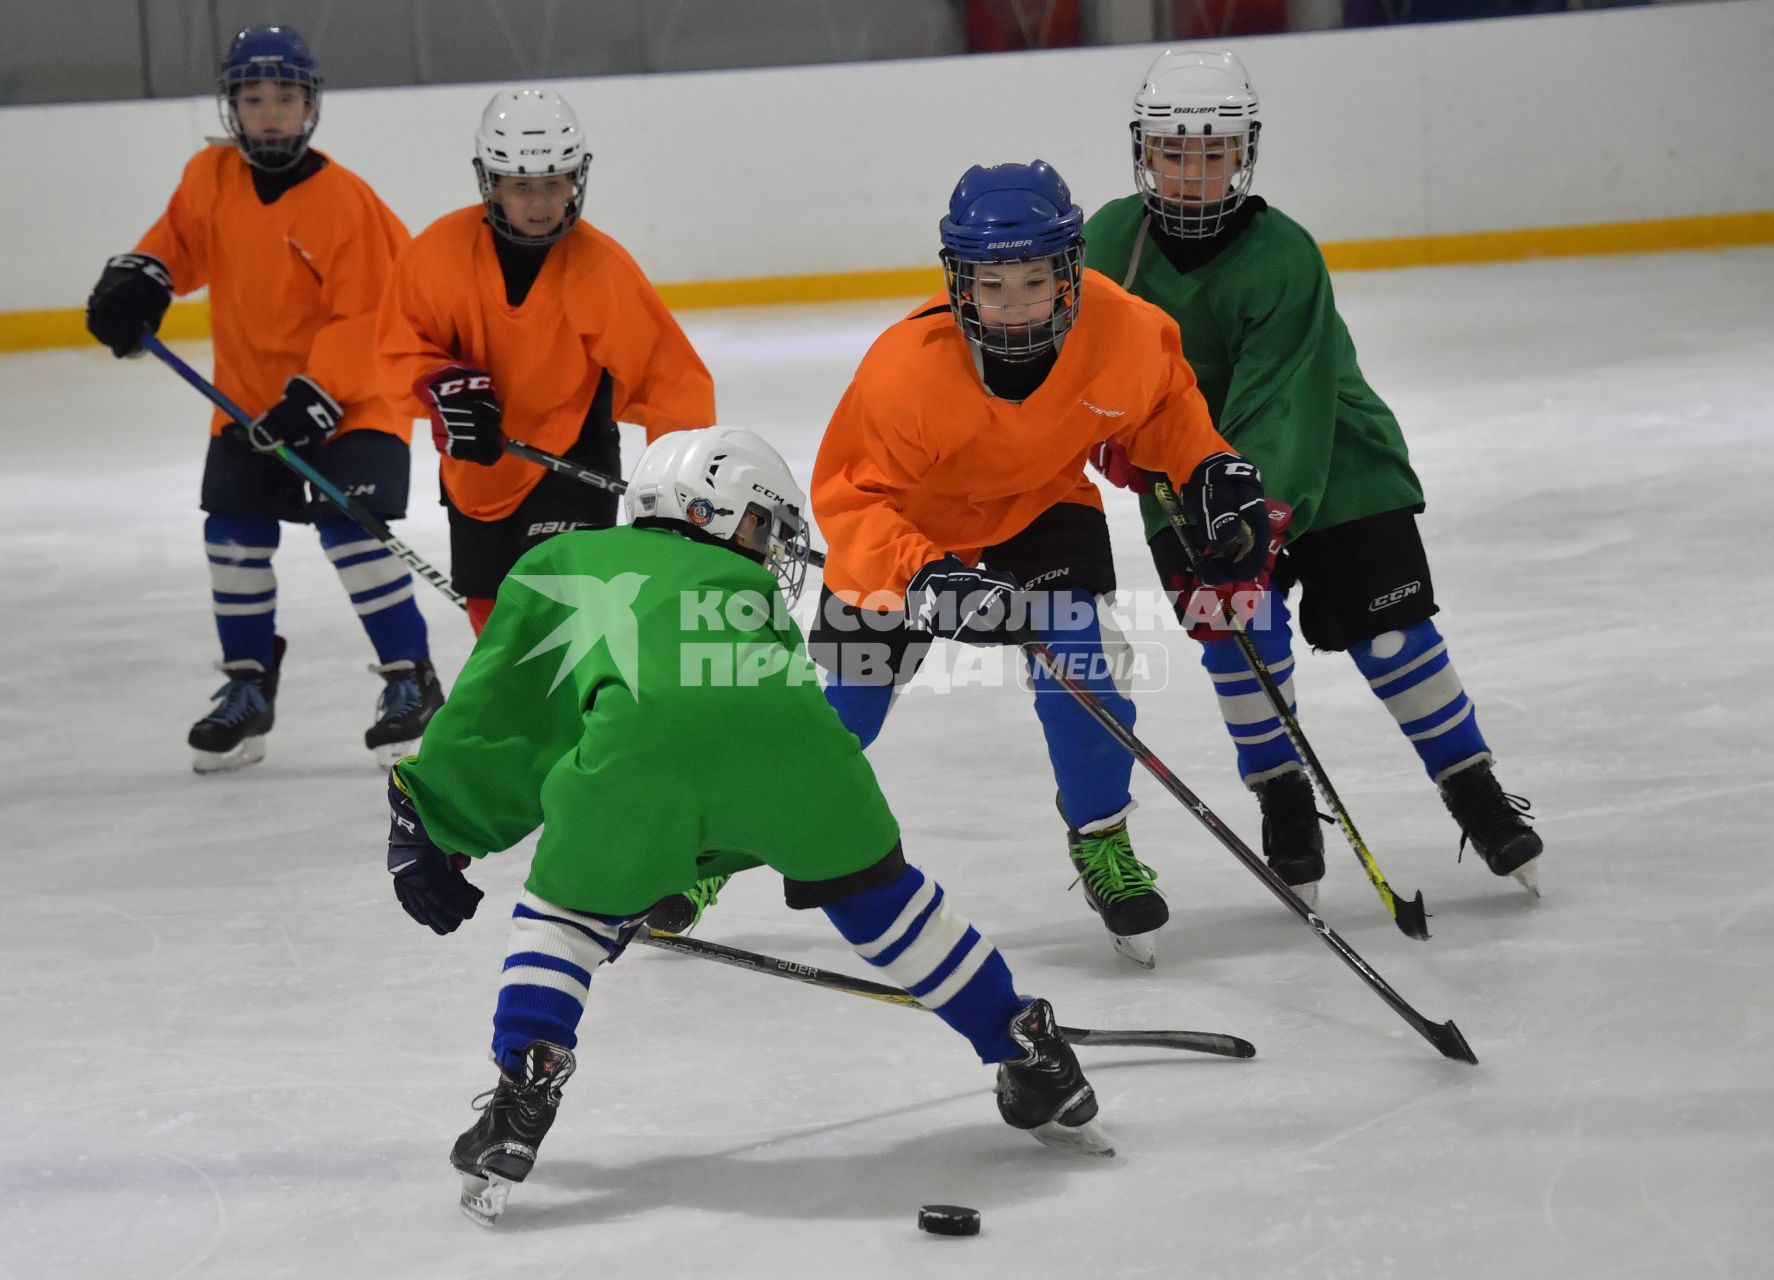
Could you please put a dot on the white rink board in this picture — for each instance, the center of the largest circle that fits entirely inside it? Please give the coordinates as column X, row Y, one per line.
column 1611, row 116
column 225, row 1052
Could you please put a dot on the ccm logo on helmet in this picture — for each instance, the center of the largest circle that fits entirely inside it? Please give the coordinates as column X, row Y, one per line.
column 455, row 386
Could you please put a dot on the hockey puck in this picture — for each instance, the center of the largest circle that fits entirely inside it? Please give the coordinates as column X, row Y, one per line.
column 948, row 1220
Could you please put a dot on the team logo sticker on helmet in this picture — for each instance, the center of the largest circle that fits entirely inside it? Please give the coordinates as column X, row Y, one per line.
column 700, row 512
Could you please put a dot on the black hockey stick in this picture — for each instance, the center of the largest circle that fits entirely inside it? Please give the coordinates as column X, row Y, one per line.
column 1444, row 1036
column 1409, row 915
column 1195, row 1041
column 596, row 479
column 358, row 513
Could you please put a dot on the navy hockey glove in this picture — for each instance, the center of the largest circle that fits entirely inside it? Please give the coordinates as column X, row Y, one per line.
column 132, row 295
column 465, row 413
column 428, row 881
column 306, row 415
column 1228, row 520
column 947, row 598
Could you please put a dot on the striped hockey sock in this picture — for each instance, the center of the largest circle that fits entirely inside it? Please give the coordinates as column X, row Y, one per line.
column 243, row 586
column 381, row 590
column 1410, row 672
column 548, row 964
column 906, row 930
column 1257, row 732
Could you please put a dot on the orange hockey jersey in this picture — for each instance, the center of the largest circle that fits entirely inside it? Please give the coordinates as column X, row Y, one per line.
column 591, row 311
column 293, row 285
column 919, row 460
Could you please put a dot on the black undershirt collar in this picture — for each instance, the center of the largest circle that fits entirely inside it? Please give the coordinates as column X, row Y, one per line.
column 1186, row 255
column 269, row 185
column 520, row 264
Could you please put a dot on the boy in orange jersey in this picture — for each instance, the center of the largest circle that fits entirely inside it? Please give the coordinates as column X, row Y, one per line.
column 952, row 478
column 295, row 250
column 515, row 314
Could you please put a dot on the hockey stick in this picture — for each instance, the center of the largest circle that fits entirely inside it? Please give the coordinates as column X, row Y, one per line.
column 1409, row 915
column 596, row 479
column 1195, row 1041
column 361, row 516
column 1444, row 1036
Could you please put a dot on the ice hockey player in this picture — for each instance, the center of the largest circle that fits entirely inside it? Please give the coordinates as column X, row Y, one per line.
column 513, row 314
column 643, row 696
column 1250, row 292
column 951, row 478
column 295, row 249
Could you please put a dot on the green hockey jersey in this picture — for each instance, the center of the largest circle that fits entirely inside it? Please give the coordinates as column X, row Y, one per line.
column 1260, row 327
column 647, row 701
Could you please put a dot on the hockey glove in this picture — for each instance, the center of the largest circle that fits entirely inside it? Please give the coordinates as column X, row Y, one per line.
column 465, row 413
column 1110, row 458
column 131, row 296
column 428, row 881
column 306, row 415
column 946, row 598
column 1201, row 609
column 1227, row 521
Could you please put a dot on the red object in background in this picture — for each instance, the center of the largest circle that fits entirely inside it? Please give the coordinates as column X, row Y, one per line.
column 1001, row 26
column 1202, row 19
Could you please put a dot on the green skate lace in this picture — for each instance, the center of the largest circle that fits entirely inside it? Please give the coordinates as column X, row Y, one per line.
column 1106, row 863
column 703, row 895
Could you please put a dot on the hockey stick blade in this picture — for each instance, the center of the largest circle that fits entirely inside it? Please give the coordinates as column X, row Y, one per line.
column 1210, row 1042
column 1411, row 917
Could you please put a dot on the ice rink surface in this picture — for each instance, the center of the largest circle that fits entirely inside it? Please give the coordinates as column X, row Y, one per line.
column 225, row 1052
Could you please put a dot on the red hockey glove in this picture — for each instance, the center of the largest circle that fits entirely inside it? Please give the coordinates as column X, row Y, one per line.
column 1110, row 458
column 1201, row 608
column 465, row 413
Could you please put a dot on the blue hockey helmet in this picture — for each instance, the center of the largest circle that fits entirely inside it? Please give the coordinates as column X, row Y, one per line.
column 1013, row 214
column 274, row 54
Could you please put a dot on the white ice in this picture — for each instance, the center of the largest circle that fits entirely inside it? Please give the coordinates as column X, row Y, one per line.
column 225, row 1052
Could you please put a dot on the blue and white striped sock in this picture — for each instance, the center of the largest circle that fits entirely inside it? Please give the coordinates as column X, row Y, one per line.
column 1410, row 672
column 1257, row 732
column 906, row 930
column 243, row 586
column 381, row 590
column 548, row 964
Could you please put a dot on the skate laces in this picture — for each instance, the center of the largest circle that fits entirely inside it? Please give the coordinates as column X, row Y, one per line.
column 1486, row 811
column 538, row 1090
column 1107, row 866
column 236, row 702
column 404, row 693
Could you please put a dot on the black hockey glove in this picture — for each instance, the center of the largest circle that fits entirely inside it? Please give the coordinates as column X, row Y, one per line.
column 306, row 415
column 947, row 598
column 132, row 295
column 465, row 413
column 1228, row 519
column 428, row 881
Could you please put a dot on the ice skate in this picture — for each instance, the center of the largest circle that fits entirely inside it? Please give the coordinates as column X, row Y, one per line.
column 500, row 1148
column 1496, row 824
column 1293, row 843
column 1045, row 1091
column 1119, row 887
column 405, row 706
column 681, row 912
column 232, row 735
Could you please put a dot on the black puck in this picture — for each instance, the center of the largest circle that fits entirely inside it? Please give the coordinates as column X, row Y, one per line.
column 948, row 1220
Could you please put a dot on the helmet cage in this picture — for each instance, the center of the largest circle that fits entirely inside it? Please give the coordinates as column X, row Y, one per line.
column 501, row 223
column 1022, row 341
column 273, row 155
column 787, row 545
column 1182, row 151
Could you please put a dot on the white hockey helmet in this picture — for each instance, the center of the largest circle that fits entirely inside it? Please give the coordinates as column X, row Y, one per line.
column 1194, row 111
column 709, row 479
column 527, row 133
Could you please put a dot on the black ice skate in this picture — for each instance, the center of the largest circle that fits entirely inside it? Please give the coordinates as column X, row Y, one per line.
column 1495, row 822
column 1119, row 887
column 232, row 735
column 500, row 1148
column 681, row 912
column 1292, row 840
column 1045, row 1091
column 406, row 705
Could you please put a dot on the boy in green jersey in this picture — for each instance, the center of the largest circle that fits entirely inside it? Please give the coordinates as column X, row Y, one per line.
column 1252, row 298
column 643, row 696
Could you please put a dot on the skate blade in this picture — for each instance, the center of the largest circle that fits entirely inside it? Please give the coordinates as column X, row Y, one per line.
column 1087, row 1139
column 483, row 1199
column 1138, row 948
column 1307, row 893
column 390, row 754
column 247, row 751
column 1528, row 875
